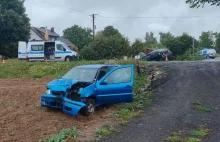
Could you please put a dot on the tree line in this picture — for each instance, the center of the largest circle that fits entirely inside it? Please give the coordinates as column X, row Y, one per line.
column 108, row 43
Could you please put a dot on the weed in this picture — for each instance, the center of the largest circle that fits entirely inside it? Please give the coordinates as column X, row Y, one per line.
column 192, row 136
column 193, row 140
column 201, row 132
column 198, row 106
column 103, row 132
column 63, row 134
column 125, row 115
column 175, row 136
column 12, row 133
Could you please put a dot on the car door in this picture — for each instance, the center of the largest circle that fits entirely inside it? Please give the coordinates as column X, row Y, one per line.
column 60, row 52
column 116, row 86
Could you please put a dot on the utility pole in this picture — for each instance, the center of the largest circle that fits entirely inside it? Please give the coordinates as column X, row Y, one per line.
column 93, row 21
column 193, row 48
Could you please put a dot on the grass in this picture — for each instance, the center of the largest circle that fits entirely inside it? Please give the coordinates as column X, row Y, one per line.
column 106, row 130
column 23, row 69
column 63, row 134
column 189, row 136
column 198, row 106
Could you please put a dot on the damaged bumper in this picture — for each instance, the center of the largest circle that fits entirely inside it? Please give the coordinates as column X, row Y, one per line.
column 51, row 101
column 68, row 106
column 72, row 107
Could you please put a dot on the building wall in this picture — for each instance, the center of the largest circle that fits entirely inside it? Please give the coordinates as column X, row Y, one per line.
column 34, row 36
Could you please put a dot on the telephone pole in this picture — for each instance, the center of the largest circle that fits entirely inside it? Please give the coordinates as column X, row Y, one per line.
column 193, row 48
column 93, row 21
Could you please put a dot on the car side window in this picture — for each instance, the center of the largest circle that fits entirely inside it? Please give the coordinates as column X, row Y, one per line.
column 121, row 75
column 102, row 73
column 60, row 47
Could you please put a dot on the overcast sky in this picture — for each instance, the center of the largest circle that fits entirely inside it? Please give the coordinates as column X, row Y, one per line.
column 157, row 16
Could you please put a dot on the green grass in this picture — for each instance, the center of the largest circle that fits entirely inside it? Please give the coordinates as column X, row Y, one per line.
column 106, row 130
column 198, row 106
column 63, row 134
column 23, row 69
column 189, row 136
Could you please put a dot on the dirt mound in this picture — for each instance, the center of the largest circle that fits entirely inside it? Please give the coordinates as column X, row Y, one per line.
column 156, row 75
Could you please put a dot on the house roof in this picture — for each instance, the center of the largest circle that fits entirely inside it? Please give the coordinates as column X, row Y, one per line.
column 41, row 32
column 67, row 42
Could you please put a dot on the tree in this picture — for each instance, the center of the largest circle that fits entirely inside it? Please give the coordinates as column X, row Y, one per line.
column 14, row 25
column 206, row 39
column 79, row 36
column 137, row 47
column 108, row 44
column 165, row 36
column 150, row 39
column 199, row 3
column 217, row 42
column 110, row 31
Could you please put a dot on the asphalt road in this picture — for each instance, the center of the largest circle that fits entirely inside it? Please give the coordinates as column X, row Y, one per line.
column 172, row 108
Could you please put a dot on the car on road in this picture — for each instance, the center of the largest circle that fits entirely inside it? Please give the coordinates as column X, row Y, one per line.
column 83, row 88
column 160, row 55
column 208, row 53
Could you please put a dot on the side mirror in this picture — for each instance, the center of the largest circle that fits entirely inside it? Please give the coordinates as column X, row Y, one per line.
column 64, row 49
column 104, row 82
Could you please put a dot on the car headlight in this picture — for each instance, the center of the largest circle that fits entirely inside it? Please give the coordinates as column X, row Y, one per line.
column 48, row 91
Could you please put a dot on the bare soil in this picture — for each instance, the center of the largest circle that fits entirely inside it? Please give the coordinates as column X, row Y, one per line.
column 23, row 119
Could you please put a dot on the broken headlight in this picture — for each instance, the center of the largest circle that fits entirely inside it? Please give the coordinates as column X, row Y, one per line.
column 48, row 91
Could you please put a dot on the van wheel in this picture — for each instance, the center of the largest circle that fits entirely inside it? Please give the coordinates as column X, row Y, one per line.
column 89, row 108
column 67, row 59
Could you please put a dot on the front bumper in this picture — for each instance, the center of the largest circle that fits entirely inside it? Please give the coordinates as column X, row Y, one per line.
column 68, row 106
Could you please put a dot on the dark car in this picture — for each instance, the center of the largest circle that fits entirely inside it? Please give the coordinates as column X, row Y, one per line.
column 160, row 55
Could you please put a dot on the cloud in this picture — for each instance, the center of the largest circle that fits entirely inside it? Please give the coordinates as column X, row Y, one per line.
column 154, row 27
column 160, row 15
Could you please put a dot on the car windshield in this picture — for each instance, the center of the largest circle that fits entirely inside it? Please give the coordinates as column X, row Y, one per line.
column 81, row 74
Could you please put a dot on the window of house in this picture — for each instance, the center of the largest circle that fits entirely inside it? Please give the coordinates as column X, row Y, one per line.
column 37, row 48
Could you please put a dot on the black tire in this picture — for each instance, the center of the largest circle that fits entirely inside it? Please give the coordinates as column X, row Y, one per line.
column 67, row 59
column 89, row 108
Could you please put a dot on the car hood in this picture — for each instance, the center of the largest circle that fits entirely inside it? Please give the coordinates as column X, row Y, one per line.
column 61, row 84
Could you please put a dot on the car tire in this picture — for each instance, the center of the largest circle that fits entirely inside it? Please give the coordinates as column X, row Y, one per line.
column 67, row 59
column 89, row 108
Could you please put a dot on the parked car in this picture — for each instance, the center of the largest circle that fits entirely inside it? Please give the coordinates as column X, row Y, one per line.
column 160, row 55
column 208, row 53
column 86, row 87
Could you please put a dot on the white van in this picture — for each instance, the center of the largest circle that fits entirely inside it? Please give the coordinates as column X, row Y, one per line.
column 45, row 50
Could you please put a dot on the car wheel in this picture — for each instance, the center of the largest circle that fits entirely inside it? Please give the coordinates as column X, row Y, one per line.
column 89, row 108
column 67, row 59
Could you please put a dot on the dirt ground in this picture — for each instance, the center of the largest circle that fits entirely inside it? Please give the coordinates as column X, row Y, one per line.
column 173, row 110
column 23, row 119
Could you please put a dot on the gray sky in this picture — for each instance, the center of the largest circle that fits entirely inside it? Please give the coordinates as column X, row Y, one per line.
column 157, row 16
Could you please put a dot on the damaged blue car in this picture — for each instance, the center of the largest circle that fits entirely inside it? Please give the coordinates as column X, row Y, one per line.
column 86, row 87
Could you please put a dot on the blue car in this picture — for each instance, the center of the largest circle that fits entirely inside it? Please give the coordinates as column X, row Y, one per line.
column 86, row 87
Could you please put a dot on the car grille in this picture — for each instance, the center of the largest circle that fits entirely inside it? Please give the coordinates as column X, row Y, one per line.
column 58, row 93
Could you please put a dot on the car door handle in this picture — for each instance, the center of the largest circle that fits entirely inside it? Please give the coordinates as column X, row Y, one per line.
column 127, row 86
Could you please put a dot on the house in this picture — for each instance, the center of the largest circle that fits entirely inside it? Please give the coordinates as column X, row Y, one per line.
column 39, row 34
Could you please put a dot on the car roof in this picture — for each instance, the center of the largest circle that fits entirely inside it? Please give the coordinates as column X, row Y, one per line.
column 96, row 66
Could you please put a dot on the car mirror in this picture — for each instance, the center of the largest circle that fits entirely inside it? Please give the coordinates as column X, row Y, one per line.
column 64, row 49
column 104, row 82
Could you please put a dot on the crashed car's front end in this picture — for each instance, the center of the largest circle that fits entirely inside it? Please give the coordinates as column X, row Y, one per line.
column 64, row 94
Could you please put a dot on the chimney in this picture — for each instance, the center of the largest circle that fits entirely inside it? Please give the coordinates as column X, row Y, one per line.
column 52, row 29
